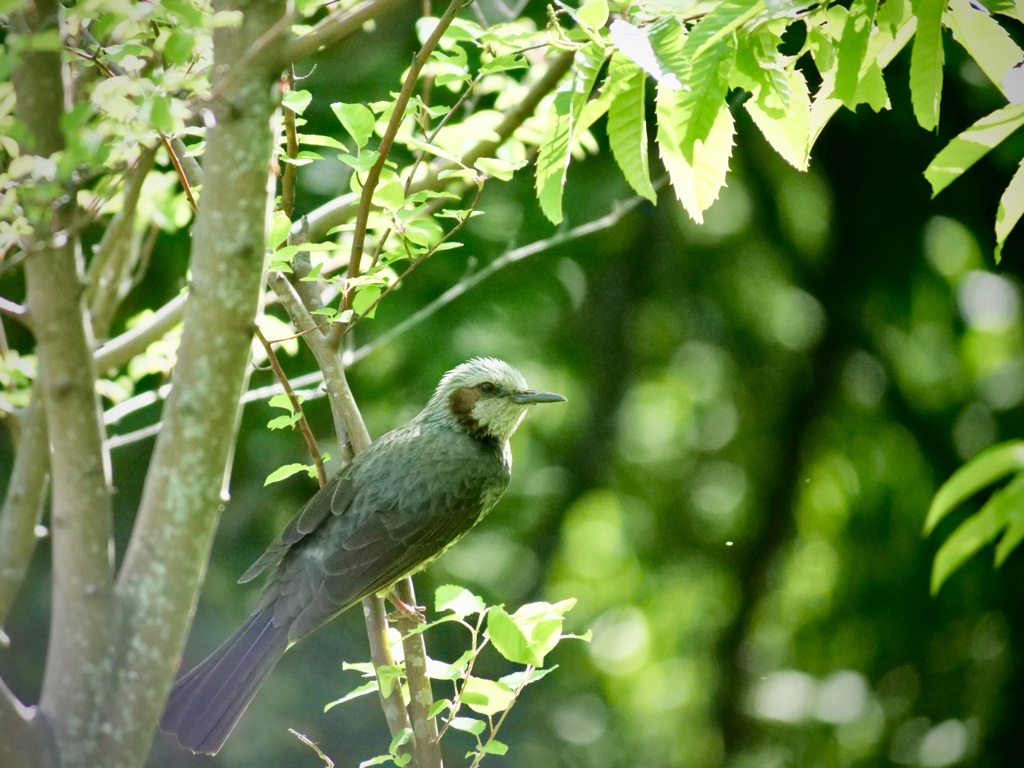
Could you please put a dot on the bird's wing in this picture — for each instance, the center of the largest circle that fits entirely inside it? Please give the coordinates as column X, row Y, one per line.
column 334, row 497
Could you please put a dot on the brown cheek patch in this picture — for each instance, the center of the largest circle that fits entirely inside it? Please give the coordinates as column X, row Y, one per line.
column 461, row 402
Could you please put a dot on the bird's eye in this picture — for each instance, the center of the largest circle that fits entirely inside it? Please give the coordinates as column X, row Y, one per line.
column 486, row 388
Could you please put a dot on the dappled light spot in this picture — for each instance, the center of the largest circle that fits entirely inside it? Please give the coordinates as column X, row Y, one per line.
column 621, row 641
column 787, row 696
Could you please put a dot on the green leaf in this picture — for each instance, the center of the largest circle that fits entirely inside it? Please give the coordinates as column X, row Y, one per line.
column 971, row 145
column 468, row 724
column 593, row 14
column 279, row 229
column 400, row 739
column 853, row 45
column 297, row 101
column 696, row 180
column 719, row 23
column 1011, row 206
column 284, row 472
column 499, row 169
column 486, row 697
column 926, row 61
column 526, row 676
column 280, row 422
column 627, row 124
column 357, row 119
column 699, row 103
column 458, row 600
column 355, row 693
column 387, row 676
column 983, row 470
column 506, row 636
column 1005, row 506
column 634, row 43
column 556, row 146
column 439, row 706
column 364, row 298
column 362, row 163
column 790, row 133
column 985, row 39
column 494, row 747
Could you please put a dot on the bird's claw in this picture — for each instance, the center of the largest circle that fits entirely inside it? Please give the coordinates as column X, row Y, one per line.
column 406, row 611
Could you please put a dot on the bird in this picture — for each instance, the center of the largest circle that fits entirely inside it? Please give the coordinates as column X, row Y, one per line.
column 388, row 513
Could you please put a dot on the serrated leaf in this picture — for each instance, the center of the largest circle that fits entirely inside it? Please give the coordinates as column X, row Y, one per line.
column 458, row 600
column 986, row 40
column 1006, row 506
column 983, row 470
column 284, row 472
column 853, row 45
column 554, row 154
column 357, row 119
column 719, row 23
column 633, row 43
column 926, row 61
column 696, row 181
column 871, row 89
column 706, row 81
column 627, row 125
column 972, row 144
column 790, row 134
column 1011, row 206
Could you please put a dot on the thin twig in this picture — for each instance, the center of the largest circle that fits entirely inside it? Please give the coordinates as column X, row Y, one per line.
column 462, row 222
column 290, row 171
column 303, row 425
column 384, row 149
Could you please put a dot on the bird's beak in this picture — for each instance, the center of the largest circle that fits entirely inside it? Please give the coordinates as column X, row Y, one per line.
column 529, row 397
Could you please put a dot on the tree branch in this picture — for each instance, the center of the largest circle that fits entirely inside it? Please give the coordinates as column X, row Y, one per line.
column 111, row 268
column 121, row 349
column 82, row 612
column 23, row 502
column 163, row 566
column 335, row 28
column 27, row 741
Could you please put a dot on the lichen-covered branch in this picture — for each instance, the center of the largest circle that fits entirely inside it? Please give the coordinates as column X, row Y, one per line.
column 159, row 581
column 82, row 611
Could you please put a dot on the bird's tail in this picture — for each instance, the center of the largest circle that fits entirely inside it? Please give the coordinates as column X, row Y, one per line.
column 206, row 702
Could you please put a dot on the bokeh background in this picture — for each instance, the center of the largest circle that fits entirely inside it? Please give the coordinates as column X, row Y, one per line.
column 759, row 411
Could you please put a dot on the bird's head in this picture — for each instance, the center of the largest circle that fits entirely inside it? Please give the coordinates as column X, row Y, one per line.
column 486, row 398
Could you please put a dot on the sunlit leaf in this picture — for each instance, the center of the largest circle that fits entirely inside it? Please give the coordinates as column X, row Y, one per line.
column 458, row 600
column 926, row 61
column 985, row 39
column 1011, row 206
column 789, row 134
column 357, row 119
column 983, row 470
column 982, row 528
column 971, row 145
column 627, row 125
column 853, row 45
column 696, row 180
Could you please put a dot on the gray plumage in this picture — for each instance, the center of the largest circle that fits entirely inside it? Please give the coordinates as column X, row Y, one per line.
column 395, row 508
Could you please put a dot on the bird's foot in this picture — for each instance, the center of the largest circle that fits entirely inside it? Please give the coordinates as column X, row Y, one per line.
column 406, row 611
